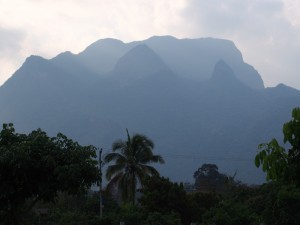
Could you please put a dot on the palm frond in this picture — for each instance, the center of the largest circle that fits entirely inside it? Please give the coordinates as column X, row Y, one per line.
column 114, row 156
column 144, row 139
column 125, row 186
column 130, row 167
column 119, row 145
column 157, row 159
column 149, row 170
column 112, row 170
column 114, row 181
column 141, row 174
column 146, row 158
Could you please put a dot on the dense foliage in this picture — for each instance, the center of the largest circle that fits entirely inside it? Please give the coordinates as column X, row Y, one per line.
column 283, row 168
column 278, row 163
column 42, row 181
column 35, row 168
column 159, row 195
column 208, row 178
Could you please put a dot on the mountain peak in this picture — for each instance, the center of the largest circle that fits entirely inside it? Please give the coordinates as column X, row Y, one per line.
column 223, row 78
column 223, row 72
column 63, row 55
column 100, row 57
column 103, row 43
column 34, row 59
column 141, row 61
column 283, row 90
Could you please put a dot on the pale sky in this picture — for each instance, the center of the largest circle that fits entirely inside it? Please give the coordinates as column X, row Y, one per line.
column 267, row 32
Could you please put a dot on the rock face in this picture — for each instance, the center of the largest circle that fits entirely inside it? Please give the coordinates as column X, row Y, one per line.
column 195, row 98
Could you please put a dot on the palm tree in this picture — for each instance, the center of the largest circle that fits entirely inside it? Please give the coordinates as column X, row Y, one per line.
column 131, row 164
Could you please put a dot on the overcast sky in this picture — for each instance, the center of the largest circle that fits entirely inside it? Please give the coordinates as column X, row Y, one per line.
column 267, row 32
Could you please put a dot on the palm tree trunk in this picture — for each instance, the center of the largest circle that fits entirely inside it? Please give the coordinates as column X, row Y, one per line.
column 133, row 188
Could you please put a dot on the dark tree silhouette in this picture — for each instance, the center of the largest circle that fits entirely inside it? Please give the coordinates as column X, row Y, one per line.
column 132, row 158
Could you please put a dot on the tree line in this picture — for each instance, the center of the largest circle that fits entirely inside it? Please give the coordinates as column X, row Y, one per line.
column 47, row 180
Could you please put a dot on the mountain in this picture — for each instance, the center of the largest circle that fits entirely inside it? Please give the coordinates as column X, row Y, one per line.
column 191, row 58
column 146, row 63
column 101, row 56
column 195, row 98
column 195, row 58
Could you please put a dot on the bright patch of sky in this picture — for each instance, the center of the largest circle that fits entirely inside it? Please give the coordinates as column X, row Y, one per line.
column 266, row 31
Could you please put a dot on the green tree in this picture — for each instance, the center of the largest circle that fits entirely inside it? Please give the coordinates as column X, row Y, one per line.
column 165, row 197
column 282, row 166
column 229, row 212
column 273, row 203
column 156, row 218
column 208, row 178
column 200, row 203
column 79, row 209
column 132, row 158
column 278, row 163
column 35, row 168
column 238, row 205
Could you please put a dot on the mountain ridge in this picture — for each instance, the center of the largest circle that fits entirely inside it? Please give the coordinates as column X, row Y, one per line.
column 216, row 118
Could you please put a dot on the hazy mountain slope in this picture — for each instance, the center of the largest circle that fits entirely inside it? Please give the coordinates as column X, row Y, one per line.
column 145, row 62
column 101, row 56
column 190, row 58
column 71, row 64
column 40, row 94
column 219, row 120
column 195, row 58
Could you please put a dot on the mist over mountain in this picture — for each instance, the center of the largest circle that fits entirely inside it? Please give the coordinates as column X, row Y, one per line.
column 195, row 98
column 138, row 63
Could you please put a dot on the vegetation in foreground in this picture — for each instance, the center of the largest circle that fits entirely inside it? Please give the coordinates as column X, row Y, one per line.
column 46, row 180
